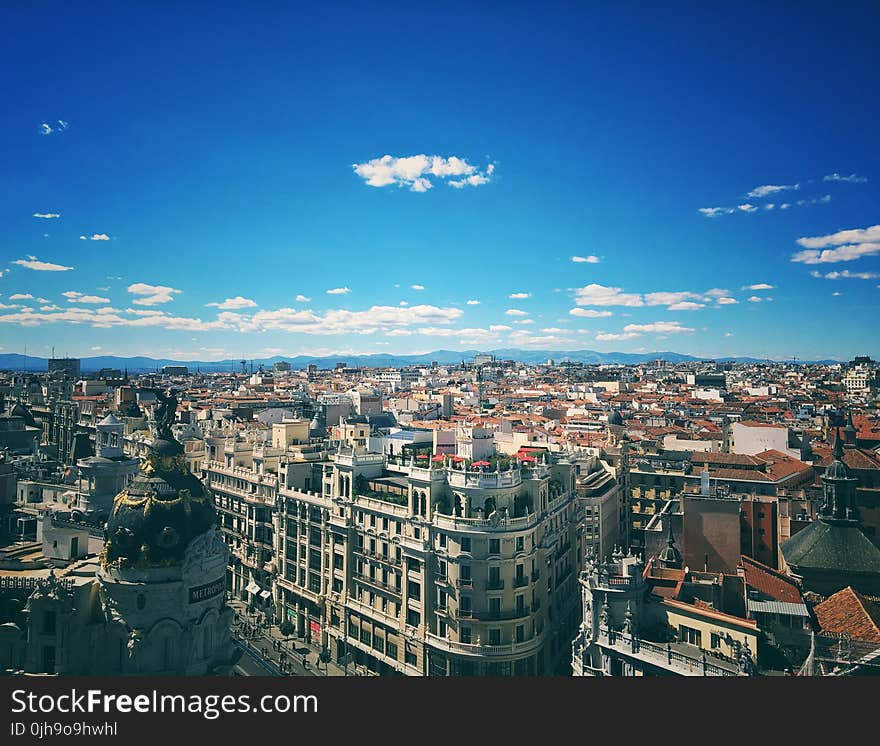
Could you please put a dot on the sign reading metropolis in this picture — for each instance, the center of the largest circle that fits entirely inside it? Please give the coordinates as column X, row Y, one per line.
column 206, row 591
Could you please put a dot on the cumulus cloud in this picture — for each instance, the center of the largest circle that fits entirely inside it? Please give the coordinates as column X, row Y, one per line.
column 845, row 274
column 755, row 299
column 302, row 298
column 746, row 207
column 686, row 305
column 47, row 215
column 763, row 191
column 53, row 128
column 231, row 304
column 714, row 212
column 658, row 327
column 338, row 291
column 151, row 295
column 848, row 246
column 21, row 296
column 726, row 301
column 852, row 178
column 601, row 295
column 589, row 313
column 758, row 286
column 417, row 172
column 417, row 287
column 612, row 337
column 677, row 300
column 74, row 296
column 473, row 302
column 95, row 237
column 519, row 296
column 516, row 312
column 591, row 259
column 35, row 264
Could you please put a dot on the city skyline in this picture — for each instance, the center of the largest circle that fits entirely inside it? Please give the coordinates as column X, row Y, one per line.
column 601, row 180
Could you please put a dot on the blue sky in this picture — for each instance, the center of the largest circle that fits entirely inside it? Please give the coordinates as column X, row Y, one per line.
column 216, row 169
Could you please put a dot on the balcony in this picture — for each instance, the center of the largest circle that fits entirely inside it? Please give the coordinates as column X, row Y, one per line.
column 463, row 648
column 464, row 583
column 502, row 616
column 520, row 582
column 495, row 585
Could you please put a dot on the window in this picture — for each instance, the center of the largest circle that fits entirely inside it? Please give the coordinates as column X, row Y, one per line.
column 465, row 605
column 494, row 546
column 372, row 521
column 391, row 650
column 494, row 636
column 352, row 630
column 520, row 633
column 410, row 658
column 442, row 540
column 441, row 598
column 520, row 543
column 495, row 607
column 466, row 635
column 417, row 532
column 690, row 635
column 365, row 636
column 441, row 628
column 441, row 569
column 715, row 640
column 465, row 544
column 337, row 561
column 413, row 618
column 465, row 572
column 414, row 590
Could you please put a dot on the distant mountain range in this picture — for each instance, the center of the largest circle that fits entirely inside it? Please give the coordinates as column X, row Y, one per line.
column 17, row 362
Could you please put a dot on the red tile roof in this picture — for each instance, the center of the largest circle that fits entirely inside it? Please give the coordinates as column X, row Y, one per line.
column 848, row 612
column 770, row 582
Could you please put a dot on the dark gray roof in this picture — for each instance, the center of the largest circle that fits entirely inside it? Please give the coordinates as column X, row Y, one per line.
column 834, row 546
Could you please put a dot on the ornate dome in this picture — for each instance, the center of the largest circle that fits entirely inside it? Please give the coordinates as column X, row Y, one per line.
column 157, row 515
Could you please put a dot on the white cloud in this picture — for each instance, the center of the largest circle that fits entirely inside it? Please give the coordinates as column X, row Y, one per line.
column 403, row 303
column 416, row 172
column 589, row 313
column 601, row 295
column 591, row 259
column 686, row 305
column 755, row 299
column 151, row 295
column 338, row 291
column 47, row 215
column 658, row 327
column 714, row 212
column 554, row 330
column 494, row 328
column 519, row 296
column 48, row 129
column 35, row 264
column 852, row 178
column 746, row 207
column 302, row 299
column 758, row 286
column 21, row 296
column 515, row 312
column 99, row 237
column 850, row 245
column 525, row 321
column 417, row 287
column 727, row 301
column 473, row 303
column 728, row 334
column 845, row 274
column 74, row 296
column 836, row 293
column 234, row 303
column 763, row 191
column 610, row 337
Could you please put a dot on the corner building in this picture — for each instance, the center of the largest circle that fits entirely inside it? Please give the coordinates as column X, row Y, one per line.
column 439, row 570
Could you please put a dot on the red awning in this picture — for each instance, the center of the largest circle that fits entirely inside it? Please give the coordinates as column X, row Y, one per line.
column 438, row 457
column 481, row 463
